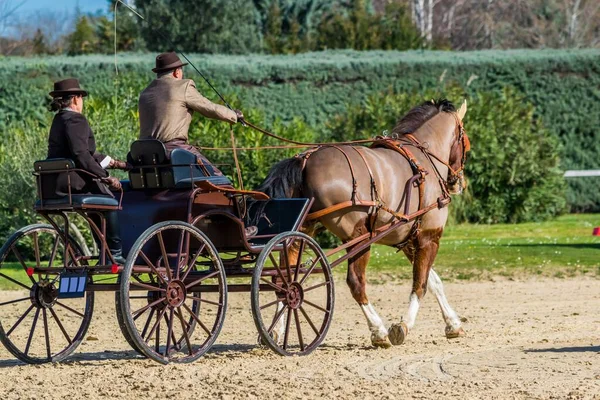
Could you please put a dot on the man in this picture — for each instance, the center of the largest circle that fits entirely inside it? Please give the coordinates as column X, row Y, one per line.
column 167, row 104
column 71, row 137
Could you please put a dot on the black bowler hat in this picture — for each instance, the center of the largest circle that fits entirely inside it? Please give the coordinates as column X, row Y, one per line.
column 67, row 87
column 166, row 62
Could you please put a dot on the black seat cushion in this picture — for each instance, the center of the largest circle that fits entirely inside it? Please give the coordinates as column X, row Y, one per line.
column 215, row 180
column 80, row 200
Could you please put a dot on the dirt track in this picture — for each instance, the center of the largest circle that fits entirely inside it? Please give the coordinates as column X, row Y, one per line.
column 533, row 339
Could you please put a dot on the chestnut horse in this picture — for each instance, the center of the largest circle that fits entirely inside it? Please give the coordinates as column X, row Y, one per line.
column 327, row 176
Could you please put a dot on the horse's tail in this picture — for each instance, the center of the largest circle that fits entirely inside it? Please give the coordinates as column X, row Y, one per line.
column 284, row 180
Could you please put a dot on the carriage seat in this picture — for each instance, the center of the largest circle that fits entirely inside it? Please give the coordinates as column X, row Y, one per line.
column 47, row 173
column 152, row 168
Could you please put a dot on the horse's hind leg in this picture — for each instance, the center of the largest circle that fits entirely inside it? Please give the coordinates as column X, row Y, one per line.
column 453, row 323
column 356, row 280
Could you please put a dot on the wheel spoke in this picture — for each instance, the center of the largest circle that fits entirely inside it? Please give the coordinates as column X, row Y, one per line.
column 36, row 249
column 54, row 250
column 156, row 325
column 316, row 286
column 37, row 314
column 164, row 254
column 214, row 273
column 179, row 250
column 70, row 309
column 314, row 328
column 46, row 334
column 277, row 318
column 270, row 304
column 278, row 268
column 169, row 332
column 205, row 301
column 15, row 281
column 286, row 260
column 18, row 255
column 138, row 313
column 146, row 286
column 274, row 286
column 300, row 339
column 208, row 332
column 60, row 325
column 192, row 261
column 299, row 260
column 147, row 324
column 152, row 266
column 287, row 329
column 21, row 318
column 185, row 331
column 315, row 306
column 310, row 270
column 14, row 301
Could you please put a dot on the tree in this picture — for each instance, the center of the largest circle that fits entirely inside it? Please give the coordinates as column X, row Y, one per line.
column 84, row 39
column 39, row 42
column 206, row 26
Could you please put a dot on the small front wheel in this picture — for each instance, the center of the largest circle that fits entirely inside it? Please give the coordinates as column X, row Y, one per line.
column 292, row 294
column 173, row 293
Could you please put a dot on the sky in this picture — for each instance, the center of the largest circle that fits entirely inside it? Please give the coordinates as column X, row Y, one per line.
column 61, row 5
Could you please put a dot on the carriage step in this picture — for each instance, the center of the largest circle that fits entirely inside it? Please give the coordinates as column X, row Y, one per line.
column 72, row 285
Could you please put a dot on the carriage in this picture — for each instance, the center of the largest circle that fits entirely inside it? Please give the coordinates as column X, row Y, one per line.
column 183, row 234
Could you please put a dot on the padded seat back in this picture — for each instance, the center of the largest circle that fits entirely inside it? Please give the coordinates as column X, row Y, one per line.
column 46, row 179
column 153, row 170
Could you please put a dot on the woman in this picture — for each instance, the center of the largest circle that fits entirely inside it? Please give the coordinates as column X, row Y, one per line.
column 71, row 137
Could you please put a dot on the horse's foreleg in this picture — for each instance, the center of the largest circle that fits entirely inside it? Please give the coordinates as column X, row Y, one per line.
column 422, row 253
column 356, row 280
column 453, row 323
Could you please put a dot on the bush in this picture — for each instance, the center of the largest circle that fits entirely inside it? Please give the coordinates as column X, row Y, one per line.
column 512, row 168
column 314, row 87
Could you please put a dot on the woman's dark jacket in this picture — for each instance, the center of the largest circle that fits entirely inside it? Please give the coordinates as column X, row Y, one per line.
column 71, row 137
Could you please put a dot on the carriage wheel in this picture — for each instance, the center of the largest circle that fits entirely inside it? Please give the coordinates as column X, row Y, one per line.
column 191, row 323
column 173, row 305
column 292, row 294
column 37, row 326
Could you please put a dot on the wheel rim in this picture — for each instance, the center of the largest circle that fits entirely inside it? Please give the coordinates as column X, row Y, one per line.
column 292, row 294
column 36, row 325
column 167, row 316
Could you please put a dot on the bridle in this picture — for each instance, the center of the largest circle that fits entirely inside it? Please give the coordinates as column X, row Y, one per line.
column 454, row 175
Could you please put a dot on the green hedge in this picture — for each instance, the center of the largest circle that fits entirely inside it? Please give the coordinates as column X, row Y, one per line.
column 563, row 85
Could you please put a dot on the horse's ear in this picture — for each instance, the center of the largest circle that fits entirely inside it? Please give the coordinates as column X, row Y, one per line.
column 462, row 110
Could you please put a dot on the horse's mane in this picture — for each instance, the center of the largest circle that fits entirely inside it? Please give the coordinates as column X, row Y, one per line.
column 421, row 114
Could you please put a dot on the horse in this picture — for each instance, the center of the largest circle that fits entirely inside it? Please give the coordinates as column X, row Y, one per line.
column 336, row 174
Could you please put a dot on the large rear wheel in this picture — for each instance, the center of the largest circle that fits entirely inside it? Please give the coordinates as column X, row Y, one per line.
column 37, row 325
column 173, row 293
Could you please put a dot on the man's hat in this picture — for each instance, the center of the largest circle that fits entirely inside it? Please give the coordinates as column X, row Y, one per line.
column 67, row 87
column 166, row 62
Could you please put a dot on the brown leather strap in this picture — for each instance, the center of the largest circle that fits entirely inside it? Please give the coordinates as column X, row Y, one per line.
column 340, row 206
column 210, row 187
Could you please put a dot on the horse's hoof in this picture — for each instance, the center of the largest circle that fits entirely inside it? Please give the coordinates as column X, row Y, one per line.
column 397, row 333
column 383, row 343
column 454, row 333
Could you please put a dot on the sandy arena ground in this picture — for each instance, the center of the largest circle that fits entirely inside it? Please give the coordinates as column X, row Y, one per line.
column 531, row 339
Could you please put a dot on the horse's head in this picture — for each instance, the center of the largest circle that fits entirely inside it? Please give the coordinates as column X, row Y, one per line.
column 458, row 154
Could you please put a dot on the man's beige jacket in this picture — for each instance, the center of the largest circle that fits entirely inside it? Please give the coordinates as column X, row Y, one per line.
column 166, row 108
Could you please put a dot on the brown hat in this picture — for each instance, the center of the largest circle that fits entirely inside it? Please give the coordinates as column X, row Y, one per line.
column 67, row 87
column 166, row 62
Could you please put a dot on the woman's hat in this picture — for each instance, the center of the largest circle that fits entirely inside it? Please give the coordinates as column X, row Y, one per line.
column 166, row 62
column 67, row 87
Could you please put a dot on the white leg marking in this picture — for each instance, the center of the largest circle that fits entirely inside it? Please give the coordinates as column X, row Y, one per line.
column 378, row 330
column 413, row 309
column 279, row 328
column 434, row 283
